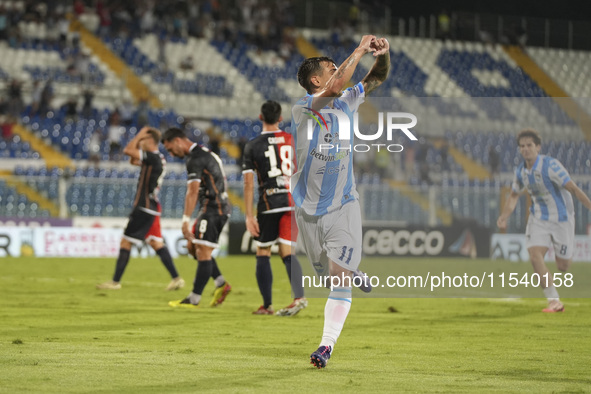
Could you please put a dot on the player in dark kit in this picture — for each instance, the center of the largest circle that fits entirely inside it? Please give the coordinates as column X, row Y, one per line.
column 206, row 184
column 271, row 156
column 144, row 220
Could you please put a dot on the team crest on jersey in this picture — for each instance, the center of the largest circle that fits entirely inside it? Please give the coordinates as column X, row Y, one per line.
column 331, row 138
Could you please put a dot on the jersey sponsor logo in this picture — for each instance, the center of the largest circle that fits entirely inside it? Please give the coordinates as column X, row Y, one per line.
column 332, row 170
column 336, row 170
column 326, row 157
column 275, row 190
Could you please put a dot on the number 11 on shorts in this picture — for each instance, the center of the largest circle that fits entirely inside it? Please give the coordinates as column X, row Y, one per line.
column 346, row 252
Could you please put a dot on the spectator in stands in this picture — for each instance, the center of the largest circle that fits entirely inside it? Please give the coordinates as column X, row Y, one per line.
column 52, row 32
column 444, row 25
column 121, row 18
column 15, row 99
column 116, row 132
column 382, row 161
column 444, row 152
column 143, row 109
column 521, row 36
column 3, row 24
column 422, row 163
column 46, row 98
column 63, row 26
column 424, row 173
column 14, row 37
column 408, row 164
column 336, row 32
column 78, row 8
column 286, row 48
column 82, row 63
column 516, row 35
column 187, row 63
column 70, row 108
column 104, row 13
column 6, row 126
column 71, row 66
column 228, row 29
column 126, row 111
column 354, row 14
column 486, row 37
column 162, row 49
column 241, row 145
column 147, row 19
column 214, row 145
column 88, row 97
column 179, row 25
column 36, row 97
column 493, row 161
column 94, row 148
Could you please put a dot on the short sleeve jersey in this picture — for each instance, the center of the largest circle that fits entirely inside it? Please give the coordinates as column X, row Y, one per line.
column 545, row 183
column 148, row 186
column 270, row 156
column 206, row 167
column 324, row 179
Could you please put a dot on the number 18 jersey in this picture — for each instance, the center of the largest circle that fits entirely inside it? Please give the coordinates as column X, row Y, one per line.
column 270, row 155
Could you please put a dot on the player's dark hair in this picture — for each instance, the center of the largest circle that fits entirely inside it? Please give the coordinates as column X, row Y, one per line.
column 172, row 133
column 529, row 133
column 155, row 134
column 271, row 111
column 310, row 67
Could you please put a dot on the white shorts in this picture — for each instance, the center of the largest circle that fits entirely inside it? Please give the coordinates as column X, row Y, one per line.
column 335, row 236
column 560, row 235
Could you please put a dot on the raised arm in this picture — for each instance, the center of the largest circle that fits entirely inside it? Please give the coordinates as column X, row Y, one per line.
column 578, row 193
column 381, row 67
column 342, row 75
column 132, row 149
column 508, row 209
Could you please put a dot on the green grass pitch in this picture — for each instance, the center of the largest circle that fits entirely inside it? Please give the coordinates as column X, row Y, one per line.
column 59, row 334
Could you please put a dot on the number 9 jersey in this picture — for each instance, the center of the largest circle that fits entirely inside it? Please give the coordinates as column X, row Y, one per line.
column 270, row 155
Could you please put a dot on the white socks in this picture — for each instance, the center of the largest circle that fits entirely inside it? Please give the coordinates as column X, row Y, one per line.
column 219, row 281
column 194, row 298
column 551, row 293
column 336, row 310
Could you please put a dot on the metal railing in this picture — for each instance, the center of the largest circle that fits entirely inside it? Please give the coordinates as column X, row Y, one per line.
column 381, row 203
column 466, row 26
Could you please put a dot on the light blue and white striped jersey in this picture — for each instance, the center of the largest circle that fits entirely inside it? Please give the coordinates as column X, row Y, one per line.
column 324, row 180
column 545, row 185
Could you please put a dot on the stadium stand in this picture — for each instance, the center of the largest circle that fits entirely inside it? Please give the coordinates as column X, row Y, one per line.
column 475, row 91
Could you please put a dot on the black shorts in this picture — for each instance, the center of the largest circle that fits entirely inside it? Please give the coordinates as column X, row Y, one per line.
column 275, row 227
column 208, row 227
column 140, row 226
